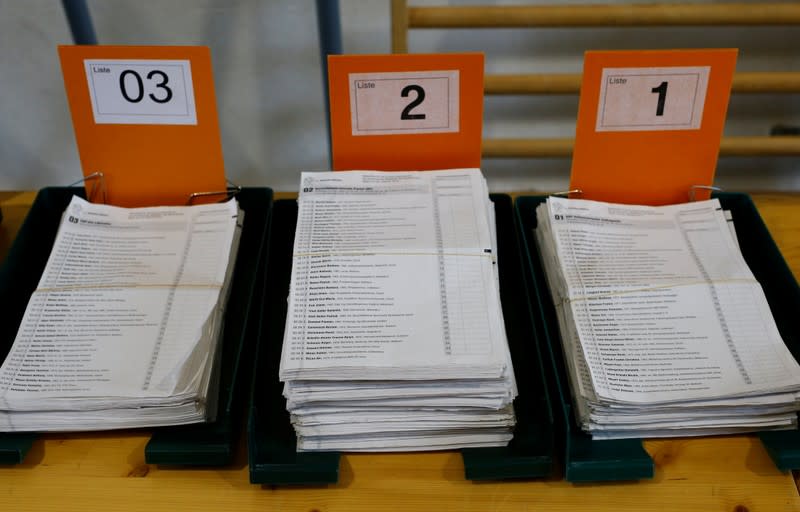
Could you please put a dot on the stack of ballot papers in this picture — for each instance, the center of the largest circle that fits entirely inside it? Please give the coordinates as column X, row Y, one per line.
column 394, row 335
column 664, row 329
column 123, row 329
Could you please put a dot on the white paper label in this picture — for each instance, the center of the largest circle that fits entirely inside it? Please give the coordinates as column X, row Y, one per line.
column 404, row 102
column 652, row 99
column 141, row 91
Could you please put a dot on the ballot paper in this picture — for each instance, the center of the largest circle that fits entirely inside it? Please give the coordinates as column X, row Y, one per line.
column 123, row 328
column 664, row 329
column 394, row 335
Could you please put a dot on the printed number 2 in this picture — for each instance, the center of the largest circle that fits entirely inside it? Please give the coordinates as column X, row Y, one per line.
column 406, row 114
column 662, row 97
column 140, row 86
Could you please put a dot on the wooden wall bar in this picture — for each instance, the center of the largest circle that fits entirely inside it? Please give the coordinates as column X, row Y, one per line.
column 610, row 15
column 562, row 147
column 753, row 82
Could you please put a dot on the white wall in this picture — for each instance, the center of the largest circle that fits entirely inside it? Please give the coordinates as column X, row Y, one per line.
column 269, row 88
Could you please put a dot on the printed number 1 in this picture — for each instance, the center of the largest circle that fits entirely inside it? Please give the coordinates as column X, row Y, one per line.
column 662, row 97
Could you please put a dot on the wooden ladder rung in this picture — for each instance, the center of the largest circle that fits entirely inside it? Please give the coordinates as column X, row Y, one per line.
column 559, row 83
column 562, row 147
column 628, row 15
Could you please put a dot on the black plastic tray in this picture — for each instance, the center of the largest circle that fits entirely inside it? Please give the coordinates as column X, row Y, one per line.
column 202, row 444
column 272, row 442
column 588, row 460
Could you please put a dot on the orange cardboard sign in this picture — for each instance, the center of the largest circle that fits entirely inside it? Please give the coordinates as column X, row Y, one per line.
column 146, row 118
column 406, row 112
column 650, row 123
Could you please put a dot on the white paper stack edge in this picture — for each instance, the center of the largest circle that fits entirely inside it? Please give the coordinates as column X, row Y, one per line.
column 394, row 335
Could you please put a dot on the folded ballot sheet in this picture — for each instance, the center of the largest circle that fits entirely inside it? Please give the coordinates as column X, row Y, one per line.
column 664, row 329
column 123, row 328
column 394, row 335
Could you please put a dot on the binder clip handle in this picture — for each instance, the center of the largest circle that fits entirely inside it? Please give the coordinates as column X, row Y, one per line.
column 569, row 193
column 694, row 188
column 98, row 188
column 230, row 192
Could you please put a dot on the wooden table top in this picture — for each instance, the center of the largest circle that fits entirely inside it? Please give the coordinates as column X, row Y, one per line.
column 106, row 471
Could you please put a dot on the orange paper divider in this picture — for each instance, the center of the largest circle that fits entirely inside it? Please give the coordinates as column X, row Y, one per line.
column 146, row 118
column 650, row 123
column 406, row 112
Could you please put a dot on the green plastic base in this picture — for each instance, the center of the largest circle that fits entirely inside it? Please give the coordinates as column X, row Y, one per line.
column 14, row 447
column 273, row 459
column 272, row 453
column 213, row 444
column 587, row 460
column 532, row 452
column 205, row 444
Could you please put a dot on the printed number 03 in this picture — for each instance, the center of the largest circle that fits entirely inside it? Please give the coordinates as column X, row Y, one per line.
column 139, row 89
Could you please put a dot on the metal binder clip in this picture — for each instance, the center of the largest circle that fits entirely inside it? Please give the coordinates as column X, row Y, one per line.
column 694, row 188
column 568, row 193
column 98, row 188
column 230, row 192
